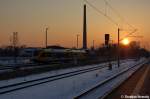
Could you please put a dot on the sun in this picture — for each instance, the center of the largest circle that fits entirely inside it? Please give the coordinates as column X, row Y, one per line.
column 125, row 41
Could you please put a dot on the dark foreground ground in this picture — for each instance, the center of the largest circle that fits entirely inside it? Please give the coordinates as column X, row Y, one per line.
column 135, row 85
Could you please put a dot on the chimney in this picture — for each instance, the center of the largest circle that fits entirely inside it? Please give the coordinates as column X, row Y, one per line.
column 84, row 29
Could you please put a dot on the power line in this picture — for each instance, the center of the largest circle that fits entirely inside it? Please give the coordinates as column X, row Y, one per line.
column 99, row 11
column 129, row 34
column 136, row 36
column 110, row 19
column 118, row 14
column 122, row 18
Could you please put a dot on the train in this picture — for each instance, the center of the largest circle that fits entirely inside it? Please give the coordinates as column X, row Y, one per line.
column 60, row 55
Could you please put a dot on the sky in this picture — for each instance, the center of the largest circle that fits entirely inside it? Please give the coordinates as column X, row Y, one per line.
column 64, row 18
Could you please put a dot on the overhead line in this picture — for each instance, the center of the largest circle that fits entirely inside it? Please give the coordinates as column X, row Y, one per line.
column 109, row 18
column 122, row 18
column 129, row 34
column 117, row 13
column 99, row 11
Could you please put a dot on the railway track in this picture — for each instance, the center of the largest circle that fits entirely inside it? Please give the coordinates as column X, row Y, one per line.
column 25, row 84
column 105, row 87
column 7, row 69
column 4, row 69
column 18, row 66
column 30, row 83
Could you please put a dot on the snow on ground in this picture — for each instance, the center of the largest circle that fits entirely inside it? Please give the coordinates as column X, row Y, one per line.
column 52, row 73
column 65, row 88
column 108, row 87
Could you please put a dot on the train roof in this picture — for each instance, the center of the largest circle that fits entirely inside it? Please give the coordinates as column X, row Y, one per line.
column 65, row 50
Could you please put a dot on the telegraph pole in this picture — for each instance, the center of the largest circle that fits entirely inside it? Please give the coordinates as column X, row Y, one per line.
column 46, row 38
column 118, row 47
column 93, row 44
column 77, row 40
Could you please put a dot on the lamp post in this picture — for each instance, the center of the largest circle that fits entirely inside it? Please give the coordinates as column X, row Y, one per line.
column 46, row 38
column 77, row 40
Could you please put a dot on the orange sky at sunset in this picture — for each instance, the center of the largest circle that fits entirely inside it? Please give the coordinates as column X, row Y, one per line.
column 65, row 18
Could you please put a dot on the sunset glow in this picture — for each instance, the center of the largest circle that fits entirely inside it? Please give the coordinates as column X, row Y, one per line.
column 65, row 19
column 125, row 41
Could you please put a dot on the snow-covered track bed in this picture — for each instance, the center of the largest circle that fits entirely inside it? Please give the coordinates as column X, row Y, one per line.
column 105, row 87
column 30, row 83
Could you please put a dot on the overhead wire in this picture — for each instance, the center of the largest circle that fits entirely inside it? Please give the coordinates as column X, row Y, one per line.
column 109, row 18
column 101, row 12
column 122, row 18
column 118, row 14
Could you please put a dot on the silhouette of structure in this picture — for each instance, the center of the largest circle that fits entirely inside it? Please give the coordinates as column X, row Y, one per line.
column 77, row 40
column 15, row 42
column 84, row 29
column 15, row 39
column 46, row 38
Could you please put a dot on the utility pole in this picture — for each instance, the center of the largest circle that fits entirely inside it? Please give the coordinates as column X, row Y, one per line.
column 46, row 38
column 77, row 40
column 118, row 49
column 93, row 44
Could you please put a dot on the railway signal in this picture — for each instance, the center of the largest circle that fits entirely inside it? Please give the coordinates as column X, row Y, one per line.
column 106, row 39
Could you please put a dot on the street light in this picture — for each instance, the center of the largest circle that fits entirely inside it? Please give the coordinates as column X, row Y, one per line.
column 46, row 38
column 77, row 40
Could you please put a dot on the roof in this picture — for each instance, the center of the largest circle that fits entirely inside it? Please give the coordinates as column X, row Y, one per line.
column 56, row 47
